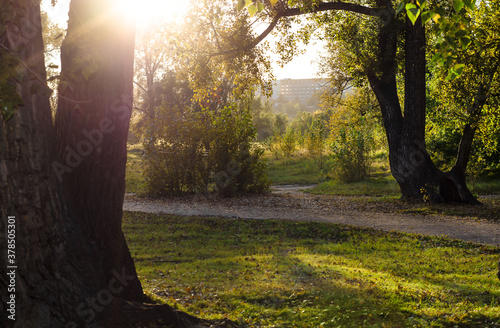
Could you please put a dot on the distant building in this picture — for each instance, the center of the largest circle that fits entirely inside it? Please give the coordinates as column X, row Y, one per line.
column 298, row 89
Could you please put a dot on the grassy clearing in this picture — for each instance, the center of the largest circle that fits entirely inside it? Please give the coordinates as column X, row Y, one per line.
column 295, row 170
column 267, row 273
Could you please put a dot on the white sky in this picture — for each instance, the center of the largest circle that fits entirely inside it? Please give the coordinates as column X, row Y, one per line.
column 301, row 67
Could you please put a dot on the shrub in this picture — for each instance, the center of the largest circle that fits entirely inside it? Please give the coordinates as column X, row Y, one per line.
column 350, row 152
column 287, row 143
column 200, row 149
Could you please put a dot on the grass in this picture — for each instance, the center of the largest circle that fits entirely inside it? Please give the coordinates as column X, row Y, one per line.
column 134, row 180
column 268, row 273
column 385, row 186
column 294, row 170
column 486, row 186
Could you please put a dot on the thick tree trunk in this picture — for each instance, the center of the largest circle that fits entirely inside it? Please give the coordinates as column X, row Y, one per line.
column 411, row 165
column 95, row 101
column 52, row 265
column 55, row 271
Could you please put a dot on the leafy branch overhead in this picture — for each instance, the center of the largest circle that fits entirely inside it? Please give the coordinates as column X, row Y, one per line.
column 450, row 20
column 451, row 23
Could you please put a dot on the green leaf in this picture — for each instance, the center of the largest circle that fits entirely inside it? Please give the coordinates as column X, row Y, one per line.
column 413, row 12
column 465, row 41
column 260, row 6
column 273, row 2
column 458, row 68
column 460, row 33
column 252, row 9
column 451, row 75
column 7, row 112
column 455, row 71
column 401, row 6
column 410, row 6
column 422, row 3
column 471, row 4
column 437, row 57
column 427, row 16
column 458, row 5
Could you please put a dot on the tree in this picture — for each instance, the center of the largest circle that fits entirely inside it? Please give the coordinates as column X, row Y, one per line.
column 469, row 103
column 63, row 184
column 404, row 119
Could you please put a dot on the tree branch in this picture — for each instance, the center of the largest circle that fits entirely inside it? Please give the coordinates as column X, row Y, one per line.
column 291, row 12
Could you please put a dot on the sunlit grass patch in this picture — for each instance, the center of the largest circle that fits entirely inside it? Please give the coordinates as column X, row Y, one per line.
column 134, row 180
column 268, row 273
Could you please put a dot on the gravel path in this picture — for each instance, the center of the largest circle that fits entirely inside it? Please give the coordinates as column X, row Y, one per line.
column 288, row 202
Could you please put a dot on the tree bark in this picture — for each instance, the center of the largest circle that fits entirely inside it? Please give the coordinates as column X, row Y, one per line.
column 410, row 163
column 93, row 114
column 51, row 258
column 60, row 277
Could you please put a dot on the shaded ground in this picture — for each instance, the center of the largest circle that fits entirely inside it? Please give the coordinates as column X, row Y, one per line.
column 288, row 202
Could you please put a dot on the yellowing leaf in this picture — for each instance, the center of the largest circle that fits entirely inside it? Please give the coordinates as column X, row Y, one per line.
column 436, row 17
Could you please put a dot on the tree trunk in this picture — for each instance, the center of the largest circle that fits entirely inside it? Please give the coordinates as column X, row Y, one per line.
column 95, row 101
column 411, row 165
column 57, row 274
column 51, row 264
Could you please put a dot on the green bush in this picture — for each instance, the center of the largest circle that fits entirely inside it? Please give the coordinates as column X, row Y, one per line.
column 350, row 152
column 287, row 143
column 200, row 149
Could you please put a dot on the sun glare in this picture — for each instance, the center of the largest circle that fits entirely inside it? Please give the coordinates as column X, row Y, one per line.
column 149, row 12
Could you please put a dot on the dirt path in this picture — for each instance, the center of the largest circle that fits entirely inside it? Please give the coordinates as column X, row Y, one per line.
column 288, row 202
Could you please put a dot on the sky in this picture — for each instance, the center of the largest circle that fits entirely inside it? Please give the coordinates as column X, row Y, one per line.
column 301, row 67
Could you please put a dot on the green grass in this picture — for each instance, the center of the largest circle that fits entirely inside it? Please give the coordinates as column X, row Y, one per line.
column 294, row 170
column 375, row 187
column 485, row 186
column 134, row 182
column 268, row 273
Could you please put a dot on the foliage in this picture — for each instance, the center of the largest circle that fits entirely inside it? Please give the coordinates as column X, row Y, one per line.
column 202, row 148
column 350, row 153
column 263, row 118
column 352, row 127
column 315, row 141
column 472, row 98
column 270, row 273
column 287, row 142
column 199, row 126
column 301, row 122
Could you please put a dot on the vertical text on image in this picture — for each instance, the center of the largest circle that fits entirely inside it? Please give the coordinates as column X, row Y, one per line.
column 11, row 266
